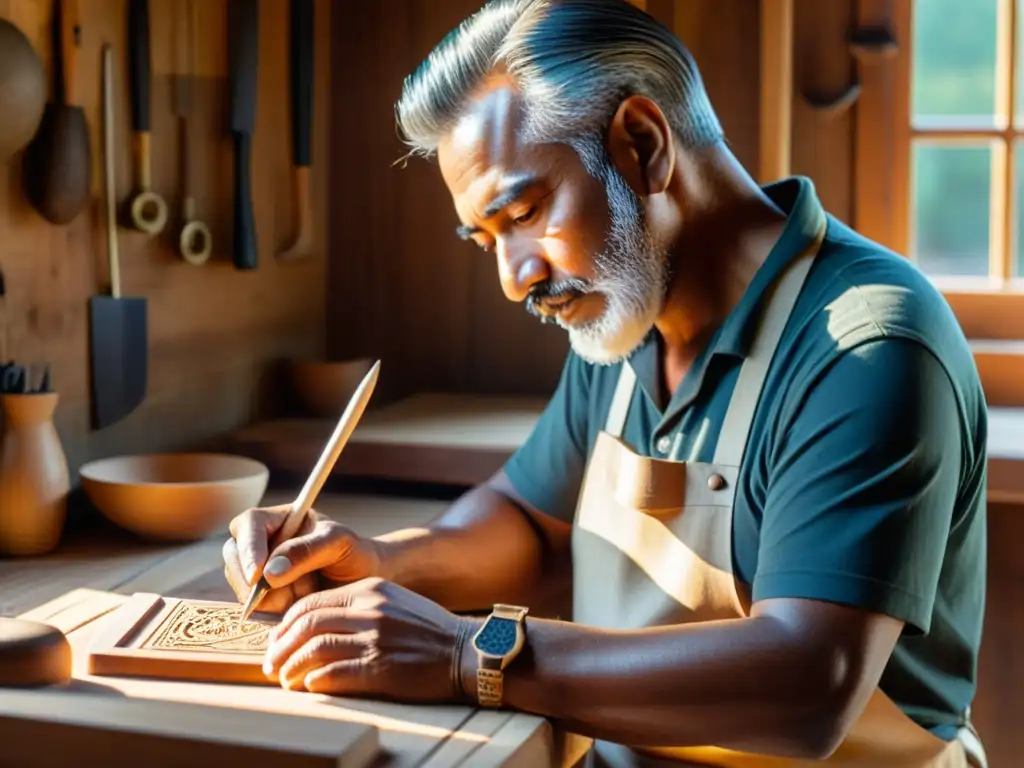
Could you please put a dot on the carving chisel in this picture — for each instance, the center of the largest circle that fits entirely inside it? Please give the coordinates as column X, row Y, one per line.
column 297, row 513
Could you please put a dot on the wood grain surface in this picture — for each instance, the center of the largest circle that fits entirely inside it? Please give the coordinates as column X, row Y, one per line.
column 215, row 333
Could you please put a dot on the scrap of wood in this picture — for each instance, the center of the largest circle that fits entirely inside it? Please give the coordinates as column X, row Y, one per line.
column 57, row 728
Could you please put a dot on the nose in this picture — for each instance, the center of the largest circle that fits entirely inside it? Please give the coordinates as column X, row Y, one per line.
column 519, row 269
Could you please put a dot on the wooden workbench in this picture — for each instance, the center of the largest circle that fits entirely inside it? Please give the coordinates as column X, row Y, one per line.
column 75, row 588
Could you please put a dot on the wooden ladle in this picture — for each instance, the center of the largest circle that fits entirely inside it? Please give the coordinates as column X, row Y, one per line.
column 148, row 209
column 57, row 168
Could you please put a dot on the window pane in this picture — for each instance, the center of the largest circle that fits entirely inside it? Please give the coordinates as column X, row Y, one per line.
column 1018, row 41
column 954, row 63
column 1018, row 207
column 951, row 192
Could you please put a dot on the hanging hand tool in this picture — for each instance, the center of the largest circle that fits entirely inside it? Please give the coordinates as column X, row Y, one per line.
column 148, row 209
column 243, row 50
column 194, row 241
column 302, row 13
column 57, row 167
column 117, row 326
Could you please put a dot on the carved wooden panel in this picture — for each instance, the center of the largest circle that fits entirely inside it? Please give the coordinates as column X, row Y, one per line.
column 173, row 638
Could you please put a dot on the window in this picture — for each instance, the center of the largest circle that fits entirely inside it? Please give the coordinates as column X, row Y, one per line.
column 940, row 152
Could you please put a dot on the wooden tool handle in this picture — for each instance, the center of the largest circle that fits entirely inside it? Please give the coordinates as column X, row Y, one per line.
column 108, row 162
column 303, row 199
column 245, row 251
column 70, row 40
column 143, row 158
column 302, row 12
column 138, row 63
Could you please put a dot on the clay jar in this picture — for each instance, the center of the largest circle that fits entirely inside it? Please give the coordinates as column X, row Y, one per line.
column 33, row 475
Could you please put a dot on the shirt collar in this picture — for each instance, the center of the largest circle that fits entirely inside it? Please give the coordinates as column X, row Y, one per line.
column 797, row 198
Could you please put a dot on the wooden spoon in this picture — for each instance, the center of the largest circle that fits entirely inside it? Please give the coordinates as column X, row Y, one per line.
column 57, row 169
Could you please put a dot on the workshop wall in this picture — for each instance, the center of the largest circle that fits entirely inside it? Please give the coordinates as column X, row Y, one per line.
column 214, row 331
column 429, row 304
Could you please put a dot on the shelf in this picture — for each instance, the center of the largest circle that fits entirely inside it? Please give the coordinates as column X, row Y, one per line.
column 463, row 439
column 433, row 438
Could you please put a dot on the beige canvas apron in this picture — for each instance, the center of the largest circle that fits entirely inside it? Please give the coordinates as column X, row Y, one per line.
column 652, row 545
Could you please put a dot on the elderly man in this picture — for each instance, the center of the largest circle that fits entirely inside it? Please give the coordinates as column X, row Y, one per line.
column 765, row 457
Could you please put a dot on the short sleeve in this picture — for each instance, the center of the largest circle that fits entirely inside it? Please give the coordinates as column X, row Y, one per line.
column 547, row 470
column 863, row 484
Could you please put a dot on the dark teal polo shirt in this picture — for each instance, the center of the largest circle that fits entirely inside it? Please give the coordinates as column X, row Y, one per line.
column 865, row 473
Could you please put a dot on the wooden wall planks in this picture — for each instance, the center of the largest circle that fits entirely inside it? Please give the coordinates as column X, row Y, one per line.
column 213, row 331
column 429, row 304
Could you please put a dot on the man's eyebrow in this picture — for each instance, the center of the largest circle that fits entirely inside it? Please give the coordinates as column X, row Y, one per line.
column 510, row 192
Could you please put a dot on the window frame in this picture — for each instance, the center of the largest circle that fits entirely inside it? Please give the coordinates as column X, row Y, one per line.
column 986, row 309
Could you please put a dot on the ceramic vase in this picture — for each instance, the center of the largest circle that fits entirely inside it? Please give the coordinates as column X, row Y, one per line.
column 33, row 475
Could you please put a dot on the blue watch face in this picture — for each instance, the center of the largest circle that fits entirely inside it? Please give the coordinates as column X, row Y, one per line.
column 498, row 636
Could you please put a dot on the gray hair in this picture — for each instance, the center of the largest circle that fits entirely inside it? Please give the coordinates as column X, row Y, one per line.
column 574, row 61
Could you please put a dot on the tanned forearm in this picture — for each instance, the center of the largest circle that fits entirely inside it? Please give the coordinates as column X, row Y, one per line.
column 482, row 550
column 767, row 684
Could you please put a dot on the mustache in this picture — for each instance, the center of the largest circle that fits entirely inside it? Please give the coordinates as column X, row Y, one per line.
column 548, row 293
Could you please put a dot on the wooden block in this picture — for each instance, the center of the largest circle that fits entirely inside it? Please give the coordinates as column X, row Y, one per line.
column 33, row 654
column 180, row 639
column 50, row 728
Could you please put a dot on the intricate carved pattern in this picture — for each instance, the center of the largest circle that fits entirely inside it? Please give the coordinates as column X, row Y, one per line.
column 198, row 627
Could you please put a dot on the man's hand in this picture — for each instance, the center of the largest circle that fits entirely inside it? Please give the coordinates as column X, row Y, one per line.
column 371, row 638
column 321, row 554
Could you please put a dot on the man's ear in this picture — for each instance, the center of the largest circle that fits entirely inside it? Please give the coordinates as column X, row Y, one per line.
column 639, row 144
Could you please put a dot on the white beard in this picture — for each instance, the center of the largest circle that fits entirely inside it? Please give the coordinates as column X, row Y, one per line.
column 632, row 274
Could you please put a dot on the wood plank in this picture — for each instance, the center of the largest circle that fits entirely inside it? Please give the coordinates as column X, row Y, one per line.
column 44, row 728
column 823, row 68
column 776, row 90
column 520, row 742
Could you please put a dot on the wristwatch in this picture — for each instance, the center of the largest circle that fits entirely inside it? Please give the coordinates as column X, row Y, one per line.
column 497, row 643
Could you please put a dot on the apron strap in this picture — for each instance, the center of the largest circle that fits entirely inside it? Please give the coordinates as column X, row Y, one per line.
column 732, row 441
column 620, row 401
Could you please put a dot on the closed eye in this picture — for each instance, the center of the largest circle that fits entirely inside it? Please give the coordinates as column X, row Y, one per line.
column 527, row 217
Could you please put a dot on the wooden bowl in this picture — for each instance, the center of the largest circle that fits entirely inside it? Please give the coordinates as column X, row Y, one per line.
column 174, row 496
column 322, row 388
